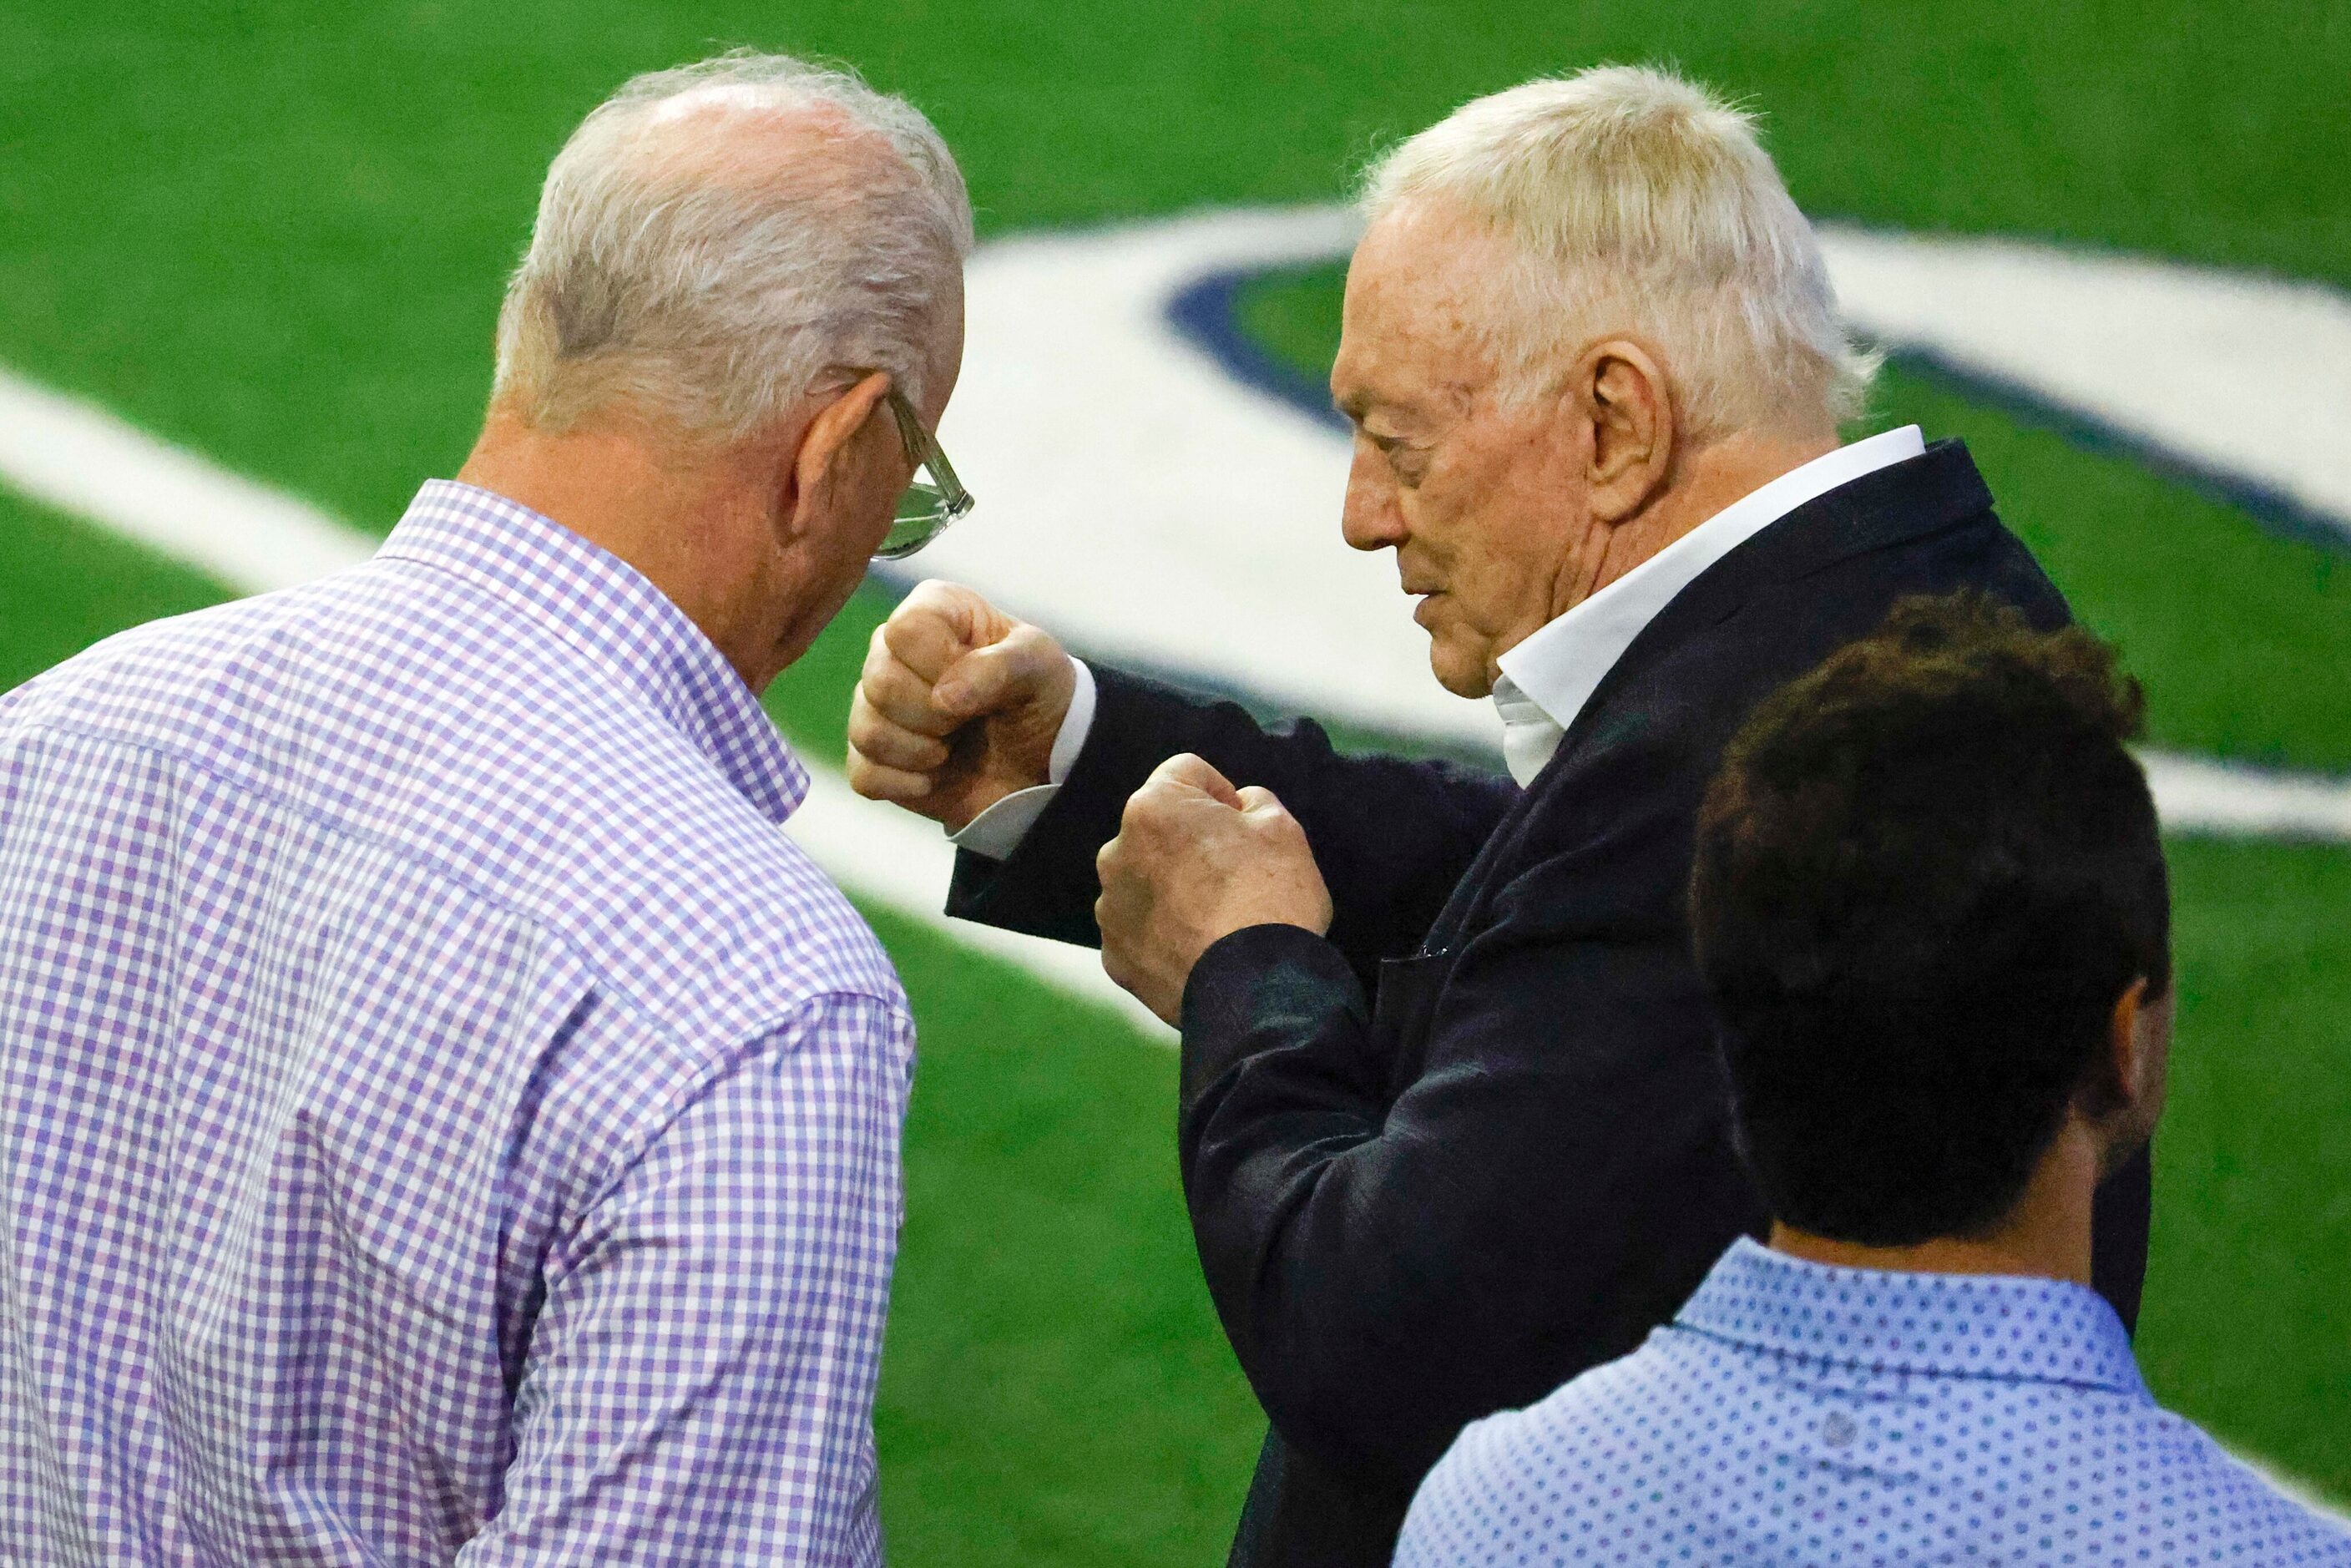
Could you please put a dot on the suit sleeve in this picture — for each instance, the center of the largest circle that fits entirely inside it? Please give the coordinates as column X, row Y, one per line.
column 1392, row 836
column 1391, row 1263
column 1554, row 1181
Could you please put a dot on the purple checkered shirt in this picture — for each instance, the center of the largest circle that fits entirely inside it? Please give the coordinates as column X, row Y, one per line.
column 446, row 1119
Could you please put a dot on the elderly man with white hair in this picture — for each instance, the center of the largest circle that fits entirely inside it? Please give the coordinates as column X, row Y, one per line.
column 448, row 1118
column 1451, row 1126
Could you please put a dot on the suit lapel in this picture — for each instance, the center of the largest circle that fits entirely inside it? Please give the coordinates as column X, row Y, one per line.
column 1936, row 490
column 1908, row 500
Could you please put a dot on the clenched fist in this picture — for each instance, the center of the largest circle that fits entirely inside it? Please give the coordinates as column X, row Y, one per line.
column 1196, row 860
column 957, row 707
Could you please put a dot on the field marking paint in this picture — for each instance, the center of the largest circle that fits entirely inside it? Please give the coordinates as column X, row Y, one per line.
column 78, row 459
column 1149, row 507
column 84, row 461
column 2119, row 353
column 2239, row 381
column 2201, row 795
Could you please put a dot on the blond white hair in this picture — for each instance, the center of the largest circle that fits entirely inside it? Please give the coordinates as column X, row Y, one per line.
column 1638, row 202
column 714, row 239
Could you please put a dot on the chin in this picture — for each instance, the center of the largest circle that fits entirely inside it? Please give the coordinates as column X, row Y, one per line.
column 1459, row 672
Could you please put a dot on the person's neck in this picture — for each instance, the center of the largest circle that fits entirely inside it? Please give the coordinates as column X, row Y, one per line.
column 622, row 488
column 1723, row 471
column 2047, row 1234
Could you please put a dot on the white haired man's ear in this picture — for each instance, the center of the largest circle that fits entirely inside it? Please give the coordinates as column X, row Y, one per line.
column 958, row 706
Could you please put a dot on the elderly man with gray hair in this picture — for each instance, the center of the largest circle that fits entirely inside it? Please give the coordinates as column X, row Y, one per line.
column 449, row 1120
column 1452, row 1126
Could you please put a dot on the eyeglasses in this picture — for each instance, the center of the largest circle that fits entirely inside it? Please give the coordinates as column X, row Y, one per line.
column 933, row 501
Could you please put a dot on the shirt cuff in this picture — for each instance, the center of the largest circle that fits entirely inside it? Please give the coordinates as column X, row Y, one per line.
column 997, row 832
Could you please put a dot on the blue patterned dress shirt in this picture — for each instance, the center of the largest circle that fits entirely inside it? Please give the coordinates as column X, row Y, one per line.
column 1798, row 1413
column 444, row 1117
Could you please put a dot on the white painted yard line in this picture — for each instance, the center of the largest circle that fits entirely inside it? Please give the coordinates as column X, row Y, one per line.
column 2240, row 375
column 83, row 460
column 2197, row 794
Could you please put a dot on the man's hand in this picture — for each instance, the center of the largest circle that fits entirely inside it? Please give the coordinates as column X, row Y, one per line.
column 957, row 707
column 1195, row 859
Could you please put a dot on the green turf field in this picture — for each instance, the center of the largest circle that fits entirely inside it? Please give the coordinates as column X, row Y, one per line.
column 276, row 232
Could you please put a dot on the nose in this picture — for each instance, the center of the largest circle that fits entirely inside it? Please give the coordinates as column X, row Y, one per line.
column 1372, row 518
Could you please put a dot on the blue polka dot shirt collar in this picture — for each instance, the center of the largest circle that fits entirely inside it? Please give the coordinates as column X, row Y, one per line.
column 1796, row 1413
column 1958, row 1325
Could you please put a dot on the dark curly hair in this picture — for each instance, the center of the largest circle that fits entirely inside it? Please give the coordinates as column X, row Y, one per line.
column 1925, row 874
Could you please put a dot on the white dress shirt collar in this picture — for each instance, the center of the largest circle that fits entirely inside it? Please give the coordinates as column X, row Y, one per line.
column 1547, row 679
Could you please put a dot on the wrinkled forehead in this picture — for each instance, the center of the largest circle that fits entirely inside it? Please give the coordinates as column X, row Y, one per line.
column 1425, row 292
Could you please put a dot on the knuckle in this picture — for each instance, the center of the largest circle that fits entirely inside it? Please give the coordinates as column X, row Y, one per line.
column 916, row 633
column 1031, row 646
column 902, row 704
column 879, row 739
column 977, row 674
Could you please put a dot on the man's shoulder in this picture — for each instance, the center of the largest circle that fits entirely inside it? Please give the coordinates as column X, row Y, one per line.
column 1653, row 732
column 119, row 678
column 392, row 709
column 1673, row 1444
column 1648, row 1447
column 2191, row 1496
column 566, row 793
column 1564, row 1468
column 2123, row 1469
column 708, row 912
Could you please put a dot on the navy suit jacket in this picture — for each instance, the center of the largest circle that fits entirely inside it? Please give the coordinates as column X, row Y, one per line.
column 1477, row 1140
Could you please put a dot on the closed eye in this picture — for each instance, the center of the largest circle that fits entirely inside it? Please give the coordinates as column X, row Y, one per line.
column 1405, row 461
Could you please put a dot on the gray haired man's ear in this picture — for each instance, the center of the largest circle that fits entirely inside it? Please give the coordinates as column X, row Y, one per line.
column 1620, row 395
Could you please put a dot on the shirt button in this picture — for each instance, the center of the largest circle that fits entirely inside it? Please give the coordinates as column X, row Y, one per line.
column 1838, row 1430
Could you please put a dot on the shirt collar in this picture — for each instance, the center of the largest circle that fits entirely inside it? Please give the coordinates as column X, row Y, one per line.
column 1952, row 1325
column 1557, row 669
column 605, row 608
